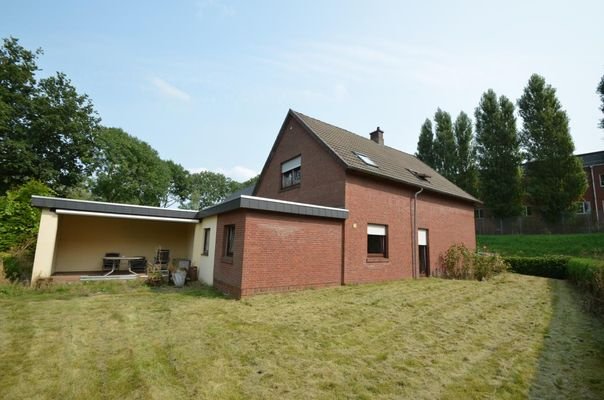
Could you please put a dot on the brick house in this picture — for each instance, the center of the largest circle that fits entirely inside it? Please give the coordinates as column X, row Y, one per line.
column 330, row 208
column 593, row 199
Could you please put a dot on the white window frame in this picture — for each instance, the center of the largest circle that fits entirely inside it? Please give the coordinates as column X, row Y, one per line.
column 585, row 207
column 378, row 230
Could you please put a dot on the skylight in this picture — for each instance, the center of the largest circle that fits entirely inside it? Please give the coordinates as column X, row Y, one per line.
column 365, row 158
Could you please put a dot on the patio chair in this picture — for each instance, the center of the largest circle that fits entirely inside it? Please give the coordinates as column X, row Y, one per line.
column 162, row 258
column 109, row 265
column 139, row 265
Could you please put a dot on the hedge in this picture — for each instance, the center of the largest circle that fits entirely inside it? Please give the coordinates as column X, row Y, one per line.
column 546, row 266
column 588, row 275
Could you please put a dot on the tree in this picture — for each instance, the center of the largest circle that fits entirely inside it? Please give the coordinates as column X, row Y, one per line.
column 209, row 188
column 554, row 177
column 498, row 155
column 466, row 174
column 600, row 91
column 425, row 151
column 19, row 220
column 179, row 187
column 444, row 145
column 46, row 127
column 128, row 170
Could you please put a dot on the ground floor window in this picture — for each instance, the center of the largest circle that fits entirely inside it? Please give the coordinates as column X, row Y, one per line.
column 377, row 240
column 229, row 233
column 206, row 241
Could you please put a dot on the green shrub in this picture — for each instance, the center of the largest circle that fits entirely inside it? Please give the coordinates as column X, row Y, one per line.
column 18, row 263
column 545, row 266
column 588, row 275
column 459, row 262
column 18, row 219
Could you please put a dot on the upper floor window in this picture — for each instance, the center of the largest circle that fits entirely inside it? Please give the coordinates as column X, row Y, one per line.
column 602, row 180
column 290, row 172
column 583, row 207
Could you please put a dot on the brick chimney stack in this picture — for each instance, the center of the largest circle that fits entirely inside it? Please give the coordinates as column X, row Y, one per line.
column 377, row 136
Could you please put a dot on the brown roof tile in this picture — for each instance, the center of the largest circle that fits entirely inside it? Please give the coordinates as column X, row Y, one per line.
column 391, row 163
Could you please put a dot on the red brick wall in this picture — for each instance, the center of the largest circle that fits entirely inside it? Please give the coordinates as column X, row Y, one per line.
column 284, row 252
column 370, row 201
column 322, row 180
column 447, row 221
column 589, row 193
column 228, row 270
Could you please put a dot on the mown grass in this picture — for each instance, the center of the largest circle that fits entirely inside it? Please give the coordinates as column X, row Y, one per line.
column 590, row 245
column 512, row 337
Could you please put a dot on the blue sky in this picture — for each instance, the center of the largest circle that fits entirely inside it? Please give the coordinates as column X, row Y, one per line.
column 207, row 83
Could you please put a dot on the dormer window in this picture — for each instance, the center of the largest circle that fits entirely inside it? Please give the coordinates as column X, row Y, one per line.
column 290, row 172
column 419, row 175
column 365, row 158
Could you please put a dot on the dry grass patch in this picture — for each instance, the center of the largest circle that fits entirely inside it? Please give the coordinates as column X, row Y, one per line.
column 421, row 339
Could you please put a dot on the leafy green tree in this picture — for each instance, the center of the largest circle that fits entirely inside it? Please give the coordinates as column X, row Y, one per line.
column 600, row 91
column 466, row 173
column 128, row 170
column 554, row 177
column 180, row 185
column 425, row 150
column 498, row 155
column 209, row 188
column 444, row 145
column 18, row 219
column 46, row 127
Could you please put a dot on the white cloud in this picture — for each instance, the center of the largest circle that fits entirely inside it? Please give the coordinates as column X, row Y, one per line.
column 169, row 90
column 237, row 172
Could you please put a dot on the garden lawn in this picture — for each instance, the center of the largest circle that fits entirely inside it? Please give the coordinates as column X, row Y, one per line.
column 510, row 338
column 589, row 245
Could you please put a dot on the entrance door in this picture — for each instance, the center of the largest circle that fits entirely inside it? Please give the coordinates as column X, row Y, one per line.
column 424, row 255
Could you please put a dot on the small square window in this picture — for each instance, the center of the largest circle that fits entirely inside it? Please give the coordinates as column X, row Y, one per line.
column 291, row 172
column 478, row 213
column 229, row 236
column 377, row 240
column 206, row 241
column 583, row 207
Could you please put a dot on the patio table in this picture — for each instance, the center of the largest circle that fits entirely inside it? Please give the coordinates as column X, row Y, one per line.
column 121, row 258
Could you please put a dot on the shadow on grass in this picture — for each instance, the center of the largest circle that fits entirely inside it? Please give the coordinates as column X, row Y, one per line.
column 84, row 289
column 193, row 289
column 571, row 362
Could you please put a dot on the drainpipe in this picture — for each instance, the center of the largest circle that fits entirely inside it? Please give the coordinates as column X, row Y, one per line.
column 593, row 186
column 414, row 252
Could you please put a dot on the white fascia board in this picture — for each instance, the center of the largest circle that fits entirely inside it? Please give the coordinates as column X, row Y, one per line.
column 125, row 216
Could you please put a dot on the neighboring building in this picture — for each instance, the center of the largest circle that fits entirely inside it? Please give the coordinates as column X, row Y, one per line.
column 593, row 199
column 589, row 211
column 330, row 208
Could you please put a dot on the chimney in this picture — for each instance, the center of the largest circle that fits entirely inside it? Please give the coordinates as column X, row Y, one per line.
column 377, row 136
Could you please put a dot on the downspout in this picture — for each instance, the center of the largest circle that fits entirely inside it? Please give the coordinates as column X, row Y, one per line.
column 414, row 252
column 593, row 186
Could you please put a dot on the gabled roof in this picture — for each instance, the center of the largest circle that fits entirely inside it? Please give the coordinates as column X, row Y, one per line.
column 390, row 163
